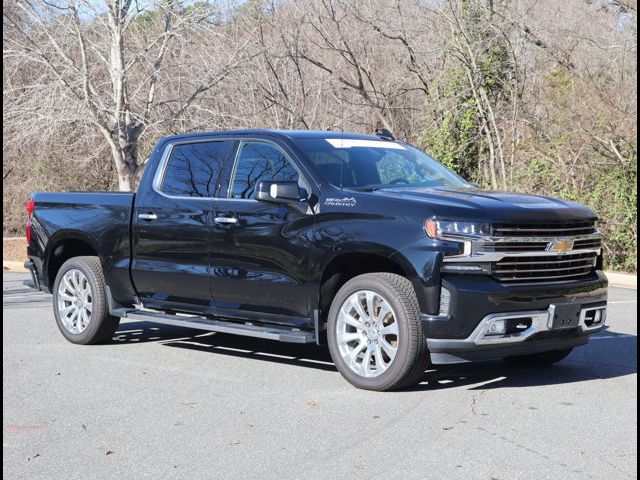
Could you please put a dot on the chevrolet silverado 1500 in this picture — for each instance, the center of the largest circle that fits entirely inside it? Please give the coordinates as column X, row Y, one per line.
column 361, row 241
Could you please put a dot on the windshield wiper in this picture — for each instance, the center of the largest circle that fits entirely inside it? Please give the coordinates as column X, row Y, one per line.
column 366, row 189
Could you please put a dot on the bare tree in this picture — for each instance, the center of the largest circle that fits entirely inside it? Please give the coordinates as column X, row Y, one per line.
column 519, row 94
column 101, row 58
column 338, row 45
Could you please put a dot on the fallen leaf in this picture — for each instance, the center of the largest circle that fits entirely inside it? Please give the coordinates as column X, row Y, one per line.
column 189, row 404
column 360, row 467
column 313, row 403
column 234, row 442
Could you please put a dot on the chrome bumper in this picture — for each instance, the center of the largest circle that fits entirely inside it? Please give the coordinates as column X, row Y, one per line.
column 591, row 319
column 495, row 333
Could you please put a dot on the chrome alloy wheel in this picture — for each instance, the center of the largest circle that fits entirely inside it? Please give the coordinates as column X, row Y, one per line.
column 75, row 301
column 367, row 333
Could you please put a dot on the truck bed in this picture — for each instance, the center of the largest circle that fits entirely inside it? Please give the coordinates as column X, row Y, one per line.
column 102, row 219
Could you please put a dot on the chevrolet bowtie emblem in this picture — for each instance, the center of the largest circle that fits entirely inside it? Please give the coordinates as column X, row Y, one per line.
column 560, row 246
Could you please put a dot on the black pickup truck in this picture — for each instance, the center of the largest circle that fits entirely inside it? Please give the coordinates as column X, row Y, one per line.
column 361, row 241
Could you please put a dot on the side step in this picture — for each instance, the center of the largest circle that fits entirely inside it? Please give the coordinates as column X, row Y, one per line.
column 281, row 334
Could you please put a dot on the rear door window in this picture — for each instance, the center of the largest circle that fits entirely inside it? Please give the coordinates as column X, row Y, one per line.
column 195, row 169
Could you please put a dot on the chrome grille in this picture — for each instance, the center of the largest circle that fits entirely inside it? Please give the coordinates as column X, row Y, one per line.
column 544, row 268
column 514, row 246
column 537, row 245
column 545, row 229
column 588, row 243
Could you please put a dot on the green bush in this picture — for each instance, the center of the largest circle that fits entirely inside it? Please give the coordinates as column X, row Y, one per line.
column 611, row 192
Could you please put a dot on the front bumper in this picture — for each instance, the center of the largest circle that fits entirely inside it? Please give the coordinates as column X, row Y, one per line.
column 539, row 317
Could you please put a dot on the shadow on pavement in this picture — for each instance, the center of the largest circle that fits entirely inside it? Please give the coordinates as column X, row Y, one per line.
column 309, row 355
column 17, row 295
column 608, row 355
column 612, row 355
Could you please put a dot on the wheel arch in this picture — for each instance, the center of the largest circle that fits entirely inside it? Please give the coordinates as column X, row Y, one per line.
column 347, row 263
column 63, row 246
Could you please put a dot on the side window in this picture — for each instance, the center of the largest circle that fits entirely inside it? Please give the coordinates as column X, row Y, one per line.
column 259, row 161
column 194, row 169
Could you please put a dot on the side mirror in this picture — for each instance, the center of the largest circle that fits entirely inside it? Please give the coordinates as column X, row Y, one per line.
column 275, row 191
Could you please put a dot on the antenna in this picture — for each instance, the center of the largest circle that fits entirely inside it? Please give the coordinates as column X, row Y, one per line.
column 384, row 134
column 342, row 160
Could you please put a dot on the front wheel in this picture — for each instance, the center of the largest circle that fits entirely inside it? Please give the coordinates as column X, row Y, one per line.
column 80, row 302
column 375, row 334
column 540, row 359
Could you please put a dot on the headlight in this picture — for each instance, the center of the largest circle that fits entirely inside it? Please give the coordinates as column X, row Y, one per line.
column 444, row 229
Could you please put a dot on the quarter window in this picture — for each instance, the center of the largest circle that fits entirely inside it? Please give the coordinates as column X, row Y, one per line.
column 195, row 169
column 259, row 161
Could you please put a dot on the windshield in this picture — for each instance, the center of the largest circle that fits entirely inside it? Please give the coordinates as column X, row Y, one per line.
column 374, row 164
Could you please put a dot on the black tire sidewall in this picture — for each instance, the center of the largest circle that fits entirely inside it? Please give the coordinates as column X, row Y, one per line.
column 98, row 316
column 396, row 371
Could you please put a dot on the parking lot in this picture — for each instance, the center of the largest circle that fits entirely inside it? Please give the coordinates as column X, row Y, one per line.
column 166, row 402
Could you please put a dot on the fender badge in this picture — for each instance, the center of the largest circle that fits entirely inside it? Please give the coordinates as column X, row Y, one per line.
column 341, row 202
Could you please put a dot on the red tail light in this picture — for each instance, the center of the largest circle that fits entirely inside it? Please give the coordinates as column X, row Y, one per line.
column 31, row 207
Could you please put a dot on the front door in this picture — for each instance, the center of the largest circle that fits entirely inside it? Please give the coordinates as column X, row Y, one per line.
column 260, row 251
column 172, row 225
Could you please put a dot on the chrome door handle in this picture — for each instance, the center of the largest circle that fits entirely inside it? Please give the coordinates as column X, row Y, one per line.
column 147, row 216
column 226, row 220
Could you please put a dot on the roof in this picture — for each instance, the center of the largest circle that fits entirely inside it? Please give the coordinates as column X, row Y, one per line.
column 291, row 134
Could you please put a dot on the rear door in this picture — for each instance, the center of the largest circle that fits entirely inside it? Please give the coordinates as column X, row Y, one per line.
column 260, row 251
column 171, row 226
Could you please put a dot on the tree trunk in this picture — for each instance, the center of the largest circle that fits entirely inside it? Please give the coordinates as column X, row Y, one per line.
column 125, row 182
column 125, row 159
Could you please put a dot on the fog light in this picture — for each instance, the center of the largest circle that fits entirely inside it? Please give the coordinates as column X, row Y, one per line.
column 597, row 316
column 497, row 327
column 445, row 302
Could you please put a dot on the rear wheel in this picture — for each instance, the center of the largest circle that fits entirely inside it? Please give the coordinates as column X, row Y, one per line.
column 80, row 302
column 540, row 359
column 374, row 332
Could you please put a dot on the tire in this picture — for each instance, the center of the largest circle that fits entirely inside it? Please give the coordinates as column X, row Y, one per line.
column 410, row 358
column 80, row 302
column 540, row 359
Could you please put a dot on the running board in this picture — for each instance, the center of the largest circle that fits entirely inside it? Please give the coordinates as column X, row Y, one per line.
column 281, row 334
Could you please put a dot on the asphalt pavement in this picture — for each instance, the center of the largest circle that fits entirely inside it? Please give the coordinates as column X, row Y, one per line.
column 165, row 402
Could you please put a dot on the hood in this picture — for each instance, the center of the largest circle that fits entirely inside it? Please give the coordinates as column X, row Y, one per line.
column 490, row 206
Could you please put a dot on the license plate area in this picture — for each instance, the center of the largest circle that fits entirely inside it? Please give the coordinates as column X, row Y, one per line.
column 564, row 315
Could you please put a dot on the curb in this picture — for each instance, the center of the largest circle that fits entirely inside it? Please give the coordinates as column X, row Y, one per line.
column 617, row 279
column 13, row 266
